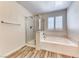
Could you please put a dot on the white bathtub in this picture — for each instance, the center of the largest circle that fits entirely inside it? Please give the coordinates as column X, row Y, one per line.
column 60, row 45
column 56, row 44
column 58, row 40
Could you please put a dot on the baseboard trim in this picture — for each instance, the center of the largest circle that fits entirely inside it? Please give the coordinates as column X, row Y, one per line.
column 30, row 45
column 7, row 54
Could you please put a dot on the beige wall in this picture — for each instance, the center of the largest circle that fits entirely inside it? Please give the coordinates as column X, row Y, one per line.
column 73, row 21
column 12, row 36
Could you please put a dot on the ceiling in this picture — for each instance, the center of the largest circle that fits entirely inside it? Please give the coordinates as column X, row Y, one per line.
column 37, row 7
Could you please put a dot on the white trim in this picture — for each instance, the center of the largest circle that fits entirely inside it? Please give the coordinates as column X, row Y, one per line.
column 14, row 50
column 30, row 45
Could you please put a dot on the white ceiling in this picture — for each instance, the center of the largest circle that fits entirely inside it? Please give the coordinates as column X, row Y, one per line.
column 37, row 7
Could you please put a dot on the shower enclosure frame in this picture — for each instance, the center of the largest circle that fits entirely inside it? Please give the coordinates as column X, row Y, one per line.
column 26, row 36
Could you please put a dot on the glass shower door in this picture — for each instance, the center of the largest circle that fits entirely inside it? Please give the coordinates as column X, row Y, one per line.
column 30, row 31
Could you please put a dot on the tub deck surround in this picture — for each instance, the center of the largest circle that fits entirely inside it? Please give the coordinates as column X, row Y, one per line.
column 43, row 37
column 61, row 49
column 30, row 52
column 60, row 45
column 59, row 40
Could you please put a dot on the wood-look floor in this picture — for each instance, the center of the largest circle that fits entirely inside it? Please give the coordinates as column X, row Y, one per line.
column 30, row 52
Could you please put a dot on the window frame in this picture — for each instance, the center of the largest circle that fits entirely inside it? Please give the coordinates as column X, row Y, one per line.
column 62, row 24
column 47, row 25
column 56, row 30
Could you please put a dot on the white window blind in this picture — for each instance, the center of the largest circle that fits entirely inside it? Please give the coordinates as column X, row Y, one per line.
column 51, row 23
column 59, row 23
column 55, row 23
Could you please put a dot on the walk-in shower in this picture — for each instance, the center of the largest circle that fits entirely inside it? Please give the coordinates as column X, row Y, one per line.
column 30, row 30
column 31, row 27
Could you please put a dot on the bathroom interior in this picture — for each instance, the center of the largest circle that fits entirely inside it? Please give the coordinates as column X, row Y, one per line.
column 43, row 25
column 52, row 30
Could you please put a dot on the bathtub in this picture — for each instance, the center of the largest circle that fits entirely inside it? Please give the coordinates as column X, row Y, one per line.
column 59, row 45
column 59, row 40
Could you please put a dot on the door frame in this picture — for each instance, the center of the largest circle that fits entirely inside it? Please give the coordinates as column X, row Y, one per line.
column 25, row 30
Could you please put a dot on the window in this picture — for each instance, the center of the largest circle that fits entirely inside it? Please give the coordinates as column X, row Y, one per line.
column 51, row 23
column 58, row 23
column 55, row 23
